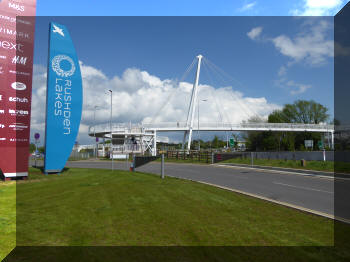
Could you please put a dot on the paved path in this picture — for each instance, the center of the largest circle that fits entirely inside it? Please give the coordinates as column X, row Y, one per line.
column 308, row 192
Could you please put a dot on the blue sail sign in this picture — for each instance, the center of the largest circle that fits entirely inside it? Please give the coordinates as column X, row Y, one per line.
column 64, row 99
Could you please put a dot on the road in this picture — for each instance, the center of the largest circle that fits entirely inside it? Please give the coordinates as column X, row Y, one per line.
column 310, row 193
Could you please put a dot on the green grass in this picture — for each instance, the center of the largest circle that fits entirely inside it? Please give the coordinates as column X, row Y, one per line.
column 97, row 207
column 88, row 207
column 7, row 217
column 310, row 165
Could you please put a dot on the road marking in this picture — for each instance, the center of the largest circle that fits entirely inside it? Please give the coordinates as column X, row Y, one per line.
column 280, row 172
column 306, row 188
column 271, row 200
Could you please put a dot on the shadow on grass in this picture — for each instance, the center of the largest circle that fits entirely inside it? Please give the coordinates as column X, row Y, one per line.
column 39, row 173
column 174, row 253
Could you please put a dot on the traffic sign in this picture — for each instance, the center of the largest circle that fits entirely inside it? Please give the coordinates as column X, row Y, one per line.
column 232, row 142
column 309, row 143
column 320, row 144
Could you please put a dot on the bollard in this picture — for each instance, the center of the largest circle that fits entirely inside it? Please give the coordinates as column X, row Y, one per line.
column 127, row 161
column 162, row 168
column 303, row 162
column 132, row 165
column 324, row 155
column 252, row 158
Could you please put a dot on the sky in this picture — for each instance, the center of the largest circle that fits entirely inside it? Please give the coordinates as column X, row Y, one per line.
column 188, row 7
column 267, row 61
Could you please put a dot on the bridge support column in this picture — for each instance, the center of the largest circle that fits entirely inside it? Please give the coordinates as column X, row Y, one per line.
column 189, row 140
column 332, row 140
column 154, row 149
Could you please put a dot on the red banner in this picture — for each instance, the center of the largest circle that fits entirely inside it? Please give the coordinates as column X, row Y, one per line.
column 17, row 25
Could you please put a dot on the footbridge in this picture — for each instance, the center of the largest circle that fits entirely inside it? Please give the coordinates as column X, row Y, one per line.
column 145, row 134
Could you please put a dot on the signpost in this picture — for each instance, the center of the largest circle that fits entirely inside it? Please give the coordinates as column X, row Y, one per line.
column 36, row 137
column 232, row 142
column 309, row 143
column 17, row 21
column 320, row 144
column 64, row 99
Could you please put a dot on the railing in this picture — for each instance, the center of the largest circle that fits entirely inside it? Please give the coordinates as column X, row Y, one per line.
column 238, row 126
column 127, row 128
column 190, row 156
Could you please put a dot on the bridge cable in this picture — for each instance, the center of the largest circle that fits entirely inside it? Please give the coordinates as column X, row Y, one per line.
column 212, row 93
column 167, row 101
column 233, row 95
column 218, row 69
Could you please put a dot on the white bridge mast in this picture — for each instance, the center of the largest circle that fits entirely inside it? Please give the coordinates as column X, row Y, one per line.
column 192, row 107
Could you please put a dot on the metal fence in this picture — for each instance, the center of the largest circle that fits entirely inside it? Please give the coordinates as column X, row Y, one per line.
column 284, row 155
column 192, row 155
column 80, row 156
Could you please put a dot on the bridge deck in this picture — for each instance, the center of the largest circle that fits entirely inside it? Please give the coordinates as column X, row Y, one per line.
column 122, row 128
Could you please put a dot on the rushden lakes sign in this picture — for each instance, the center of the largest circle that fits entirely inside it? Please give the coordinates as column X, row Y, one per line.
column 64, row 98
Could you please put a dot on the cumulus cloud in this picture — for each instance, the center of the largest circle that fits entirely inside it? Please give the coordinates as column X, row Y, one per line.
column 312, row 45
column 139, row 96
column 254, row 33
column 297, row 88
column 247, row 7
column 318, row 7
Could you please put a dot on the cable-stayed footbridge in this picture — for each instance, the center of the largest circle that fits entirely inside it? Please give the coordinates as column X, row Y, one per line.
column 145, row 134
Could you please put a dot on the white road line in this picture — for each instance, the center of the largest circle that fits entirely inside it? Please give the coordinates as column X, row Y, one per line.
column 271, row 171
column 306, row 188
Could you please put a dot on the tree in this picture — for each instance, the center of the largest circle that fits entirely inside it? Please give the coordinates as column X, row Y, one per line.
column 301, row 111
column 31, row 148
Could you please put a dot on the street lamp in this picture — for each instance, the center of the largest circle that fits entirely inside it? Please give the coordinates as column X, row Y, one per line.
column 110, row 125
column 95, row 131
column 199, row 142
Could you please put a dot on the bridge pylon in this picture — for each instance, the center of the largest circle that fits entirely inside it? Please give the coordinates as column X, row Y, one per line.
column 192, row 106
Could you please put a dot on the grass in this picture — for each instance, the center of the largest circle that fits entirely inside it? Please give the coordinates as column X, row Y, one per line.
column 95, row 207
column 310, row 165
column 88, row 207
column 7, row 217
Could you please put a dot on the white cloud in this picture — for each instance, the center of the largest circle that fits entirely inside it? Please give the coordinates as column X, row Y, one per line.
column 138, row 96
column 318, row 7
column 247, row 7
column 291, row 86
column 254, row 33
column 312, row 45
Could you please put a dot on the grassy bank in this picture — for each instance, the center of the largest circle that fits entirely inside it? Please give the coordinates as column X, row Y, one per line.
column 89, row 207
column 7, row 217
column 101, row 207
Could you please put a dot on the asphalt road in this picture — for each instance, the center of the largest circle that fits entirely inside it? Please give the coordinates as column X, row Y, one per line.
column 309, row 192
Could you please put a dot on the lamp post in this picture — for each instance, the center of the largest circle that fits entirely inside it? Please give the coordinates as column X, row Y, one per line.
column 110, row 125
column 199, row 142
column 96, row 149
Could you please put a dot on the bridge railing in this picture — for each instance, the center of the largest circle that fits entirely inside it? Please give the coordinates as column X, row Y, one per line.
column 141, row 127
column 239, row 125
column 116, row 128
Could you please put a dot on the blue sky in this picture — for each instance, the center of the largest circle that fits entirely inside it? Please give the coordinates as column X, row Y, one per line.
column 188, row 7
column 165, row 46
column 270, row 60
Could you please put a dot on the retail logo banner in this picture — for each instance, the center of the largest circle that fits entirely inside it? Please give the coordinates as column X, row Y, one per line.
column 64, row 99
column 17, row 25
